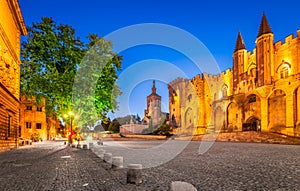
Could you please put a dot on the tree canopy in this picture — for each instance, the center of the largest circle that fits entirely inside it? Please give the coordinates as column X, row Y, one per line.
column 52, row 56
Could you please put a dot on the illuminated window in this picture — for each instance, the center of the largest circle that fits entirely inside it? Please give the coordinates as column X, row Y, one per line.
column 190, row 97
column 38, row 126
column 224, row 91
column 252, row 99
column 253, row 72
column 28, row 125
column 284, row 72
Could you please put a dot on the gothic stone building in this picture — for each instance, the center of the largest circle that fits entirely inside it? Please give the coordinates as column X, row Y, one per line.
column 11, row 28
column 261, row 92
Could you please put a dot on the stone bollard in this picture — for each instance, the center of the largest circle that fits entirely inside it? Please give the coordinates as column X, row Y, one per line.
column 107, row 157
column 179, row 186
column 91, row 145
column 117, row 163
column 85, row 146
column 100, row 153
column 134, row 174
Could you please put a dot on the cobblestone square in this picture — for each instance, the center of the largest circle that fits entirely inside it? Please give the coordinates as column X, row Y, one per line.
column 226, row 166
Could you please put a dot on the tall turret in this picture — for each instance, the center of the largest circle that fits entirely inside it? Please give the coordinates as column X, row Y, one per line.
column 238, row 60
column 153, row 110
column 153, row 87
column 264, row 53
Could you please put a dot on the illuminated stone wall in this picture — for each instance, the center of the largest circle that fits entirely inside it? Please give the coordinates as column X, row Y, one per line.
column 260, row 93
column 11, row 28
column 31, row 115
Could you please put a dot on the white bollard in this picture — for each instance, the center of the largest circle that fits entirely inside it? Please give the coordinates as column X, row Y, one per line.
column 91, row 145
column 117, row 163
column 84, row 146
column 179, row 186
column 134, row 174
column 100, row 153
column 107, row 157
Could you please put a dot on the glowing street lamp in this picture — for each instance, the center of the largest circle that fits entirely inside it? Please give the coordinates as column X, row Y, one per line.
column 70, row 114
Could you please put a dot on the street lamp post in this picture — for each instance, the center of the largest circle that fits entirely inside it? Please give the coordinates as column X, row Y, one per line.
column 70, row 114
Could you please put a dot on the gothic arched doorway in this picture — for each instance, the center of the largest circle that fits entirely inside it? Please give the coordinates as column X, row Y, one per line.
column 252, row 124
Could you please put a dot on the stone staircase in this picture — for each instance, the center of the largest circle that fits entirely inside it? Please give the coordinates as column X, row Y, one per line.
column 250, row 136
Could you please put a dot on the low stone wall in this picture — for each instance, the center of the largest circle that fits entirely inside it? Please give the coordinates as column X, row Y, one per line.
column 249, row 136
column 129, row 137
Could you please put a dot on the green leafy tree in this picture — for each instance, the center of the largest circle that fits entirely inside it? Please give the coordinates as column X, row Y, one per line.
column 52, row 57
column 114, row 126
column 105, row 124
column 95, row 91
column 164, row 129
column 49, row 59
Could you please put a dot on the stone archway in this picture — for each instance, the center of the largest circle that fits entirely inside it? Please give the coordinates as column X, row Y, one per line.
column 252, row 107
column 297, row 110
column 252, row 124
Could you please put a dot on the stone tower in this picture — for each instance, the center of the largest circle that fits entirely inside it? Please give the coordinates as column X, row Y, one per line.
column 239, row 59
column 264, row 53
column 153, row 111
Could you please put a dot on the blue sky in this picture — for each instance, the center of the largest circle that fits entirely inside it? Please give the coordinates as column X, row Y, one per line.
column 215, row 23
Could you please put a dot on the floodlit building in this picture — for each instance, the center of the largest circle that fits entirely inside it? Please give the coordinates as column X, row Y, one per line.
column 34, row 122
column 33, row 119
column 261, row 92
column 11, row 28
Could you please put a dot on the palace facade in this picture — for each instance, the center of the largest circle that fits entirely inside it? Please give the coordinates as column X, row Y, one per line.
column 11, row 28
column 261, row 92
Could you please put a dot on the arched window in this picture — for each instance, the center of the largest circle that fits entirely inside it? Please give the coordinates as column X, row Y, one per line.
column 224, row 90
column 284, row 72
column 283, row 69
column 253, row 72
column 190, row 97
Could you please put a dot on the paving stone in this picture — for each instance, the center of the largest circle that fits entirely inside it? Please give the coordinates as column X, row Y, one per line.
column 226, row 166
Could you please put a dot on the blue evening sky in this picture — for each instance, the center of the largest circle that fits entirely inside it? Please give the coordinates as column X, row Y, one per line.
column 215, row 23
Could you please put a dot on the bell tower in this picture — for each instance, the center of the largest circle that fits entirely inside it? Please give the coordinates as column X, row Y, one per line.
column 153, row 106
column 264, row 53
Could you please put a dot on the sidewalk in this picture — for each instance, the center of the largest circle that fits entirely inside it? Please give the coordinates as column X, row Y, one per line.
column 56, row 167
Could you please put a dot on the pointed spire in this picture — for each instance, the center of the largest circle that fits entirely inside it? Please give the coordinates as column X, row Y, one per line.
column 264, row 26
column 239, row 45
column 153, row 87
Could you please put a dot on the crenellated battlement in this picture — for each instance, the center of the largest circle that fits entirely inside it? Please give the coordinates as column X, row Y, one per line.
column 287, row 40
column 217, row 77
column 227, row 72
column 178, row 80
column 197, row 78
